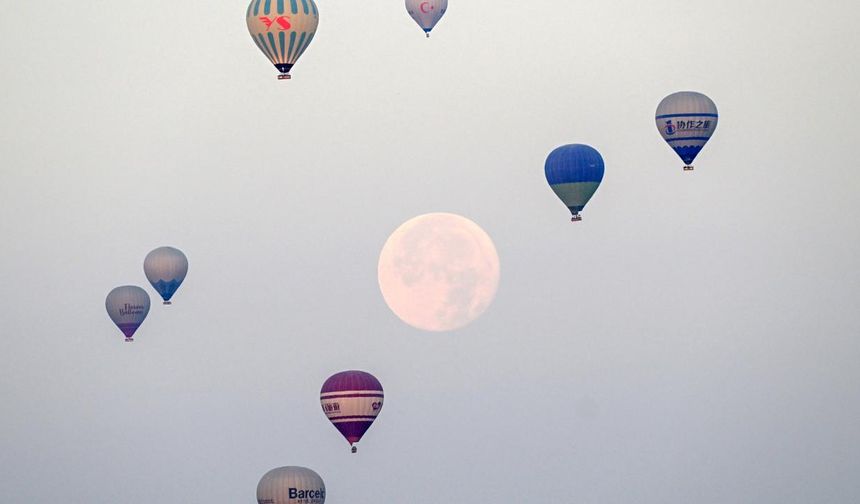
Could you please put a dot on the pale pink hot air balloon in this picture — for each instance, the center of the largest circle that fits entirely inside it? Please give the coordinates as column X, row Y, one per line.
column 127, row 306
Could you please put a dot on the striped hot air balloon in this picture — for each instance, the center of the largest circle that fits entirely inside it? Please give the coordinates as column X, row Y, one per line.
column 282, row 29
column 574, row 172
column 165, row 268
column 291, row 485
column 426, row 12
column 686, row 120
column 127, row 306
column 351, row 400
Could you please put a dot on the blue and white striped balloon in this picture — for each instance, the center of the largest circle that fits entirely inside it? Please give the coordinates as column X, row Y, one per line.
column 282, row 29
column 127, row 306
column 574, row 172
column 165, row 268
column 426, row 12
column 686, row 120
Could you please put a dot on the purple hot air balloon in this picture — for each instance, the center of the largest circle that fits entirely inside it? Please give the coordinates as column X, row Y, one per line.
column 351, row 400
column 127, row 306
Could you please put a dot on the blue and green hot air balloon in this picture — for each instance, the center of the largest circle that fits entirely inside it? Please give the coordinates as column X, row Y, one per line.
column 574, row 172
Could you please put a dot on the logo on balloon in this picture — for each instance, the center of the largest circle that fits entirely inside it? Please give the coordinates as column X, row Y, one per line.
column 670, row 128
column 128, row 309
column 376, row 405
column 425, row 5
column 282, row 21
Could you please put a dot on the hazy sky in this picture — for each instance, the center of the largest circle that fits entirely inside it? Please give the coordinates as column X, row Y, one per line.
column 694, row 340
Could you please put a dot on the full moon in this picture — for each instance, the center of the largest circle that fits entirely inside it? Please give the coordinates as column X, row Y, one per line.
column 438, row 271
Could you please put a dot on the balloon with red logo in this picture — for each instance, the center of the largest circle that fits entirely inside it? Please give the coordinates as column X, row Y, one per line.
column 426, row 12
column 351, row 400
column 283, row 30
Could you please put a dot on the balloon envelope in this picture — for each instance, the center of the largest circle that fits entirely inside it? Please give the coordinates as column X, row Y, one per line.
column 165, row 268
column 282, row 29
column 574, row 173
column 127, row 306
column 686, row 120
column 291, row 485
column 351, row 400
column 426, row 12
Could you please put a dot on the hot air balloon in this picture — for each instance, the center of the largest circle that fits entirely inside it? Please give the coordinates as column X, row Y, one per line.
column 426, row 12
column 165, row 268
column 291, row 485
column 574, row 172
column 282, row 29
column 686, row 120
column 351, row 400
column 127, row 306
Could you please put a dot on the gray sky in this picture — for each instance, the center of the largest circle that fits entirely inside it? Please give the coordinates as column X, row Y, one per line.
column 694, row 339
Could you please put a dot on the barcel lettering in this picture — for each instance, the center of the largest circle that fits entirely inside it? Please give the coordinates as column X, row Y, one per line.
column 295, row 493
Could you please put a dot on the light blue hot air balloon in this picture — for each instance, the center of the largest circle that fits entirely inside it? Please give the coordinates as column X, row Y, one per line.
column 127, row 306
column 165, row 268
column 686, row 120
column 426, row 12
column 574, row 172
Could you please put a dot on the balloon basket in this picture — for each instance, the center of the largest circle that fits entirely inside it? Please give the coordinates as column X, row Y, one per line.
column 129, row 340
column 576, row 218
column 354, row 449
column 688, row 168
column 284, row 77
column 167, row 302
column 428, row 35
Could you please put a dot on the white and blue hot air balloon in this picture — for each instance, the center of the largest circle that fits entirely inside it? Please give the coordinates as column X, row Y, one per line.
column 686, row 120
column 291, row 485
column 127, row 306
column 426, row 12
column 165, row 268
column 574, row 173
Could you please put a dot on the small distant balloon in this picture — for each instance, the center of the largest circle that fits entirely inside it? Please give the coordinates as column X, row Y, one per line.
column 165, row 268
column 352, row 400
column 291, row 485
column 686, row 120
column 127, row 306
column 282, row 29
column 574, row 173
column 426, row 12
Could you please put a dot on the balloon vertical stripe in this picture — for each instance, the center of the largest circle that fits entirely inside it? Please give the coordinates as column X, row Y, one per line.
column 300, row 46
column 295, row 6
column 292, row 45
column 268, row 7
column 282, row 43
column 308, row 42
column 280, row 6
column 256, row 7
column 314, row 9
column 305, row 5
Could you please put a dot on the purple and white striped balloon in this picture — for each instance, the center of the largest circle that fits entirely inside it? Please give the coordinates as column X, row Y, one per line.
column 352, row 400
